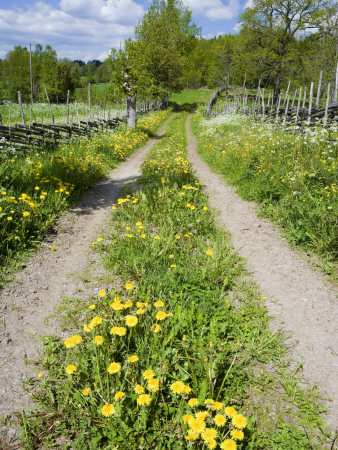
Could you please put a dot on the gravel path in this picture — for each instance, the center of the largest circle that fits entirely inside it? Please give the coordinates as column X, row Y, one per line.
column 27, row 305
column 300, row 299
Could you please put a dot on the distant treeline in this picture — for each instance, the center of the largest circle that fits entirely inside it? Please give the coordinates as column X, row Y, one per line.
column 58, row 75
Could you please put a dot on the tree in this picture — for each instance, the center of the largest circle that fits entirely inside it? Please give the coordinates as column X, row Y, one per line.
column 156, row 60
column 271, row 28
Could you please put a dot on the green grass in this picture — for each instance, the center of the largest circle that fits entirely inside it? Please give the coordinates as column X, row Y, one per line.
column 191, row 96
column 163, row 246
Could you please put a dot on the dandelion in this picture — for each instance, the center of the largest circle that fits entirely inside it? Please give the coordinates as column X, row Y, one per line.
column 230, row 411
column 102, row 293
column 40, row 375
column 219, row 420
column 171, row 256
column 131, row 321
column 197, row 425
column 70, row 369
column 202, row 415
column 133, row 359
column 209, row 401
column 187, row 418
column 98, row 340
column 177, row 387
column 157, row 237
column 86, row 392
column 114, row 368
column 156, row 328
column 99, row 239
column 191, row 436
column 239, row 421
column 96, row 321
column 144, row 400
column 118, row 331
column 128, row 304
column 237, row 434
column 129, row 286
column 159, row 304
column 119, row 395
column 92, row 307
column 217, row 406
column 108, row 410
column 161, row 315
column 148, row 374
column 117, row 305
column 25, row 214
column 139, row 389
column 211, row 443
column 209, row 252
column 153, row 385
column 139, row 312
column 205, row 208
column 173, row 266
column 228, row 444
column 193, row 402
column 143, row 236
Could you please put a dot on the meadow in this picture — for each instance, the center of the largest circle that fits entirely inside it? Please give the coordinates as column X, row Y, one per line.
column 36, row 189
column 291, row 174
column 178, row 354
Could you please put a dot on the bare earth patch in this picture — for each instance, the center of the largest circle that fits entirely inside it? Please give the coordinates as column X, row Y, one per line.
column 28, row 304
column 300, row 300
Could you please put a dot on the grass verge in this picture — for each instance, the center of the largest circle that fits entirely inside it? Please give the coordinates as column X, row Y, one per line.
column 179, row 354
column 33, row 191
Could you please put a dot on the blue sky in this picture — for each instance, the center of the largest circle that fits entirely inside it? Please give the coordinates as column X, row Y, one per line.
column 88, row 29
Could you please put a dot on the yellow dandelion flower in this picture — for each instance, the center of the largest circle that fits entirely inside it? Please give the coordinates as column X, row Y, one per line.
column 86, row 392
column 187, row 418
column 141, row 304
column 139, row 389
column 197, row 425
column 129, row 286
column 117, row 305
column 143, row 236
column 119, row 396
column 53, row 248
column 128, row 304
column 148, row 374
column 217, row 406
column 193, row 402
column 161, row 315
column 40, row 375
column 209, row 252
column 99, row 239
column 92, row 306
column 237, row 434
column 156, row 328
column 178, row 236
column 133, row 359
column 187, row 389
column 211, row 443
column 228, row 444
column 191, row 436
column 144, row 400
column 177, row 387
column 108, row 410
column 157, row 237
column 173, row 266
column 159, row 304
column 9, row 218
column 102, row 293
column 153, row 384
column 171, row 256
column 25, row 213
column 87, row 328
column 220, row 420
column 114, row 368
column 96, row 321
column 98, row 340
column 209, row 401
column 71, row 368
column 239, row 421
column 139, row 312
column 202, row 415
column 138, row 224
column 205, row 208
column 69, row 342
column 230, row 411
column 131, row 321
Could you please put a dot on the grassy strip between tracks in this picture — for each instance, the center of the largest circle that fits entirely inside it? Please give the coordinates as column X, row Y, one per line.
column 179, row 354
column 33, row 191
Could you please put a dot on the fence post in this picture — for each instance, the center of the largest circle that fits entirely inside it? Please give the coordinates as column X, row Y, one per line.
column 318, row 89
column 67, row 108
column 21, row 108
column 336, row 86
column 298, row 105
column 327, row 104
column 310, row 104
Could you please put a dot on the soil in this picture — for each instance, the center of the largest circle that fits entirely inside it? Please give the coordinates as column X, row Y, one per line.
column 302, row 302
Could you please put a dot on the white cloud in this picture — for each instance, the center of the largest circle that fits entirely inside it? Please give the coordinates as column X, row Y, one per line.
column 214, row 9
column 79, row 29
column 248, row 4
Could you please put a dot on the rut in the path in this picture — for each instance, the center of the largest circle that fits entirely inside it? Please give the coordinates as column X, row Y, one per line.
column 299, row 298
column 27, row 303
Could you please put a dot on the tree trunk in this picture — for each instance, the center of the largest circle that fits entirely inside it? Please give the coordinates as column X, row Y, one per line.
column 165, row 101
column 131, row 111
